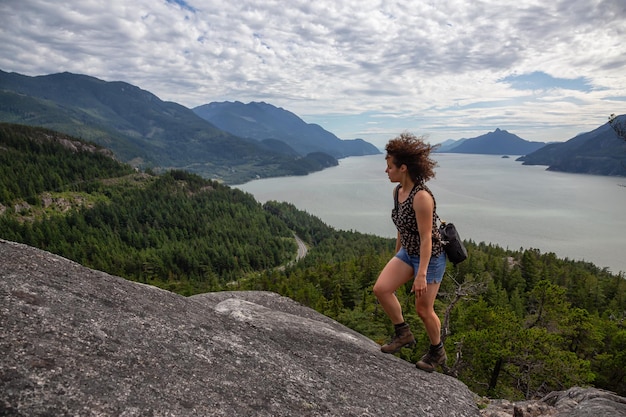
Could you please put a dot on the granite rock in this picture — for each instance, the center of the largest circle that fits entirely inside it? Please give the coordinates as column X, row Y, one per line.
column 80, row 342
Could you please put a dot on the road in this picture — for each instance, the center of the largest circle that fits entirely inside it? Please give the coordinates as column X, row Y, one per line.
column 302, row 249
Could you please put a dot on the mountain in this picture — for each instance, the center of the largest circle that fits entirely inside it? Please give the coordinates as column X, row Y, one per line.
column 132, row 122
column 499, row 142
column 143, row 130
column 449, row 144
column 262, row 121
column 600, row 152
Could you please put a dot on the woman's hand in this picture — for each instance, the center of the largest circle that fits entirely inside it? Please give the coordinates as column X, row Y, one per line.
column 419, row 285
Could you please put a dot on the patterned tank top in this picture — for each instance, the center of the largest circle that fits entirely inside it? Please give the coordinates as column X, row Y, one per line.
column 403, row 217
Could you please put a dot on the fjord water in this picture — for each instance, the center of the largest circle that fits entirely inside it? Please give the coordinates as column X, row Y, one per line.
column 489, row 198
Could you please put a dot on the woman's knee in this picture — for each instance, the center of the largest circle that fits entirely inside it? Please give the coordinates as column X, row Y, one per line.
column 424, row 311
column 379, row 289
column 384, row 285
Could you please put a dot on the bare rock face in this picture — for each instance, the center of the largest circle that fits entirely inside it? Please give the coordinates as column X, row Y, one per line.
column 79, row 342
column 586, row 402
column 574, row 402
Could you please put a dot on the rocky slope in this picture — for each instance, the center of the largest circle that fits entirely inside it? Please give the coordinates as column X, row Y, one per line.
column 75, row 341
column 80, row 342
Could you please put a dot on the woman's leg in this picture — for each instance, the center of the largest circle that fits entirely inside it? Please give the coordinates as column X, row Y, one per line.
column 394, row 274
column 425, row 307
column 436, row 354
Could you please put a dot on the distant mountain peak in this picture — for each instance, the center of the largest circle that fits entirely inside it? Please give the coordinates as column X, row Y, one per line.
column 261, row 121
column 498, row 142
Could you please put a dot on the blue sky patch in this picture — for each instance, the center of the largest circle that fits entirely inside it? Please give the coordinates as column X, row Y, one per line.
column 182, row 3
column 541, row 81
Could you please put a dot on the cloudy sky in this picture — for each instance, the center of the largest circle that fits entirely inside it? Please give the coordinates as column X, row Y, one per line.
column 544, row 70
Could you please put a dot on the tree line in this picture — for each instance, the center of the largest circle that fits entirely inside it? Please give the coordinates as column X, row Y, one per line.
column 519, row 323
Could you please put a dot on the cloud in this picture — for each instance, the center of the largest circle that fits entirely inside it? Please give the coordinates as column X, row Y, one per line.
column 359, row 68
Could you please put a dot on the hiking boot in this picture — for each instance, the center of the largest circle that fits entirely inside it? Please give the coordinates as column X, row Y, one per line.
column 433, row 358
column 402, row 338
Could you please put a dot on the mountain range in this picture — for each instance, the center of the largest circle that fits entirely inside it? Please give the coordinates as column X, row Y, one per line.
column 264, row 122
column 147, row 132
column 601, row 151
column 236, row 142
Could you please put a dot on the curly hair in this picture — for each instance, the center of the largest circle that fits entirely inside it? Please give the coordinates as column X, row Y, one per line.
column 410, row 150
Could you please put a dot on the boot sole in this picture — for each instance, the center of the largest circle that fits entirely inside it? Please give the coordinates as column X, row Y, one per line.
column 431, row 368
column 406, row 345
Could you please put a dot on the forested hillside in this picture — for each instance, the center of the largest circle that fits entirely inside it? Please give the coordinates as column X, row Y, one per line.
column 522, row 323
column 141, row 129
column 599, row 152
column 260, row 121
column 174, row 230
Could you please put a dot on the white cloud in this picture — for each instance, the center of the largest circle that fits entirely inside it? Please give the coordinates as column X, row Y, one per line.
column 434, row 68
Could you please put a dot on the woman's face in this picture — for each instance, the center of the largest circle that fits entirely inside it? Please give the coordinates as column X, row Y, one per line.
column 393, row 172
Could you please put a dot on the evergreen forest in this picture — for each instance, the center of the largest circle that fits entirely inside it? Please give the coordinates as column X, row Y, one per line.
column 517, row 324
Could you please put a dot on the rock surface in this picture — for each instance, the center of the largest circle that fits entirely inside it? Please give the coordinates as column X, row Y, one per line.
column 574, row 402
column 79, row 342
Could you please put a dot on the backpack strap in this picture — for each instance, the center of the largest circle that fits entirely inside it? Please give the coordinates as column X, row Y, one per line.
column 395, row 196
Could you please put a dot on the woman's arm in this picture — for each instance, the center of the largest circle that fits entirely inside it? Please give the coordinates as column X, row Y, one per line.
column 398, row 242
column 395, row 201
column 423, row 206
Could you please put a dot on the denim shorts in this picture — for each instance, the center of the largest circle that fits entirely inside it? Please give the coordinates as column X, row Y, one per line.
column 436, row 266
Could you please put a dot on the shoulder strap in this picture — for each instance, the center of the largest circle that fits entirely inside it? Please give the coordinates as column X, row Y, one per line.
column 395, row 196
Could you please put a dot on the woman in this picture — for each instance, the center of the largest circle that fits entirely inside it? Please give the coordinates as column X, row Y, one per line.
column 419, row 252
